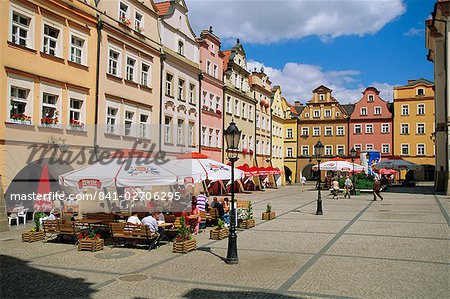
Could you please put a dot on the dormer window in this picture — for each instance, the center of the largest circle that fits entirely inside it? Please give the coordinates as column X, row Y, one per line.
column 420, row 92
column 212, row 48
column 322, row 97
column 180, row 48
column 370, row 98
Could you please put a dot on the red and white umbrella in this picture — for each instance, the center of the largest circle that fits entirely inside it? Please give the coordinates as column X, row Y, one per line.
column 339, row 165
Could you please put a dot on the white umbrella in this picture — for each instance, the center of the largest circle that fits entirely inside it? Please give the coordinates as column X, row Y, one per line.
column 397, row 164
column 338, row 165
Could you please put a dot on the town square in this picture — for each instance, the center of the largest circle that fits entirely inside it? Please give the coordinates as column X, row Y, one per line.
column 224, row 149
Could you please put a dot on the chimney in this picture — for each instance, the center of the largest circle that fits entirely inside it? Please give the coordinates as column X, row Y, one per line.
column 297, row 104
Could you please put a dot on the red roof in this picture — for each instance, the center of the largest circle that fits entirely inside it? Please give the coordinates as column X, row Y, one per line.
column 163, row 7
column 226, row 57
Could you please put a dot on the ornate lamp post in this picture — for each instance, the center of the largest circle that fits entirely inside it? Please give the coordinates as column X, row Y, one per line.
column 318, row 152
column 232, row 137
column 353, row 155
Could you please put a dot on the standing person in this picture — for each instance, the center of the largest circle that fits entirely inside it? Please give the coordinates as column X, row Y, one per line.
column 348, row 186
column 303, row 182
column 335, row 186
column 195, row 224
column 202, row 201
column 289, row 181
column 377, row 189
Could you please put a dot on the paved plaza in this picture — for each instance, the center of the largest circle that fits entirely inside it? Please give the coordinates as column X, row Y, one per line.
column 398, row 248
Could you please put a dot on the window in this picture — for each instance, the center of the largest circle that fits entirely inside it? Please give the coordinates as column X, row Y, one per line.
column 144, row 126
column 363, row 111
column 305, row 131
column 340, row 131
column 405, row 149
column 377, row 111
column 211, row 137
column 208, row 67
column 244, row 141
column 145, row 74
column 77, row 49
column 191, row 93
column 357, row 147
column 228, row 105
column 50, row 44
column 180, row 47
column 370, row 98
column 218, row 139
column 328, row 150
column 215, row 71
column 204, row 136
column 130, row 69
column 129, row 120
column 404, row 129
column 75, row 112
column 289, row 133
column 49, row 106
column 340, row 150
column 180, row 95
column 316, row 131
column 420, row 129
column 258, row 125
column 250, row 113
column 236, row 107
column 263, row 120
column 123, row 11
column 138, row 21
column 305, row 150
column 327, row 113
column 289, row 152
column 385, row 148
column 316, row 113
column 385, row 128
column 243, row 110
column 21, row 31
column 338, row 114
column 169, row 79
column 111, row 120
column 405, row 109
column 420, row 92
column 18, row 102
column 167, row 129
column 322, row 97
column 369, row 147
column 421, row 149
column 191, row 134
column 113, row 62
column 212, row 49
column 180, row 132
column 369, row 128
column 420, row 109
column 306, row 115
column 357, row 129
column 328, row 131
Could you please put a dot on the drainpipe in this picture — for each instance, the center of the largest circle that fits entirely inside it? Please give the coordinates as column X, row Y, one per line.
column 161, row 126
column 296, row 150
column 200, row 78
column 97, row 84
column 223, row 119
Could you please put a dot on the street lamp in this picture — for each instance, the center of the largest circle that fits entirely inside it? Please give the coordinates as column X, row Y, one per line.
column 353, row 155
column 318, row 151
column 232, row 137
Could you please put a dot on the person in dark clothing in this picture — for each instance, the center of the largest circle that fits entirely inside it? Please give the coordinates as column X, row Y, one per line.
column 376, row 190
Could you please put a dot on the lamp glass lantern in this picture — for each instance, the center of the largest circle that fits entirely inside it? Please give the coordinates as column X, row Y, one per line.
column 232, row 137
column 318, row 149
column 353, row 153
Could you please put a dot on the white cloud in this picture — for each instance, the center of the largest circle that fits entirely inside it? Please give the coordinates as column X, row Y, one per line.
column 297, row 81
column 414, row 32
column 269, row 21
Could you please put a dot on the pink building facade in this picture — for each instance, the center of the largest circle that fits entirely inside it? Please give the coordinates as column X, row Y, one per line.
column 371, row 124
column 211, row 119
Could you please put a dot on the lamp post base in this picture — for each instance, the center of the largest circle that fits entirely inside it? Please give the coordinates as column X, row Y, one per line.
column 232, row 261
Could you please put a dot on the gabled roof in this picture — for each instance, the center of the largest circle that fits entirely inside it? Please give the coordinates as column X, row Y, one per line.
column 163, row 7
column 226, row 58
column 349, row 108
column 298, row 109
column 420, row 80
column 322, row 88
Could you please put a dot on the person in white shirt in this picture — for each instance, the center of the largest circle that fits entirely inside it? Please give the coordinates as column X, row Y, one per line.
column 151, row 222
column 348, row 186
column 303, row 182
column 134, row 219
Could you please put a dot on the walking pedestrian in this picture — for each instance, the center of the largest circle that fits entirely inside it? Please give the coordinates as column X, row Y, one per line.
column 348, row 186
column 335, row 187
column 377, row 189
column 303, row 182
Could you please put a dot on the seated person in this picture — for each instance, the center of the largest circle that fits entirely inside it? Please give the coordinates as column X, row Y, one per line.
column 67, row 217
column 151, row 222
column 219, row 207
column 134, row 219
column 52, row 216
column 226, row 209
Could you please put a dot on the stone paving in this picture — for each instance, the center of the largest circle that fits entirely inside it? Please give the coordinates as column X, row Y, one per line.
column 398, row 248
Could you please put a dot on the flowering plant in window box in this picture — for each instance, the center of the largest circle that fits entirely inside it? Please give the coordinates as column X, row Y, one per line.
column 75, row 124
column 211, row 110
column 49, row 121
column 262, row 103
column 139, row 28
column 245, row 151
column 125, row 21
column 204, row 107
column 251, row 152
column 266, row 104
column 21, row 118
column 218, row 112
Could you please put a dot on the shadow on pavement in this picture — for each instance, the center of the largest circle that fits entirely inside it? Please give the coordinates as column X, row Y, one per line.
column 205, row 293
column 19, row 280
column 208, row 250
column 411, row 190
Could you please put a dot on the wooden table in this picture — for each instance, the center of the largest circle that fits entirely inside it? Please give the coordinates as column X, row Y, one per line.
column 165, row 224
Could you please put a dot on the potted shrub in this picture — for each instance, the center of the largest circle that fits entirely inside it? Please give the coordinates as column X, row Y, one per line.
column 268, row 214
column 35, row 234
column 247, row 220
column 219, row 232
column 184, row 242
column 90, row 241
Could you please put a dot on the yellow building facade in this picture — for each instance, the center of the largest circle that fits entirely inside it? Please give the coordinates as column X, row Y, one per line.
column 278, row 134
column 414, row 125
column 290, row 141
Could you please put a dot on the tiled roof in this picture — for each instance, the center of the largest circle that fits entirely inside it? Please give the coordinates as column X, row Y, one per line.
column 163, row 7
column 349, row 108
column 299, row 109
column 226, row 57
column 421, row 80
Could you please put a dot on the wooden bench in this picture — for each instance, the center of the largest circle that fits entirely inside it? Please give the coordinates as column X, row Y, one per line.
column 123, row 233
column 243, row 204
column 104, row 217
column 60, row 228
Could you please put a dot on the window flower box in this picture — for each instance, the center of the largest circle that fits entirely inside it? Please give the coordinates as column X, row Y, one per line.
column 211, row 110
column 205, row 108
column 21, row 118
column 267, row 105
column 251, row 152
column 218, row 112
column 125, row 21
column 76, row 125
column 139, row 29
column 245, row 151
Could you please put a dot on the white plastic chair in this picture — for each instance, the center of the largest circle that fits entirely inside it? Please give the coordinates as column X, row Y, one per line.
column 23, row 214
column 15, row 214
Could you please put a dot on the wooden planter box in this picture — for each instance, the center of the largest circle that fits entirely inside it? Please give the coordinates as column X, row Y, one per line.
column 185, row 246
column 268, row 216
column 91, row 245
column 249, row 223
column 33, row 236
column 218, row 234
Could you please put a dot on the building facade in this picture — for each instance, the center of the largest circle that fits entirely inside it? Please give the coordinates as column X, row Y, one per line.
column 239, row 103
column 371, row 124
column 211, row 122
column 180, row 86
column 437, row 42
column 290, row 115
column 324, row 119
column 414, row 123
column 129, row 75
column 277, row 133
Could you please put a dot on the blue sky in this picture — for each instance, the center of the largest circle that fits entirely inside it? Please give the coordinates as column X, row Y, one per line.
column 344, row 44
